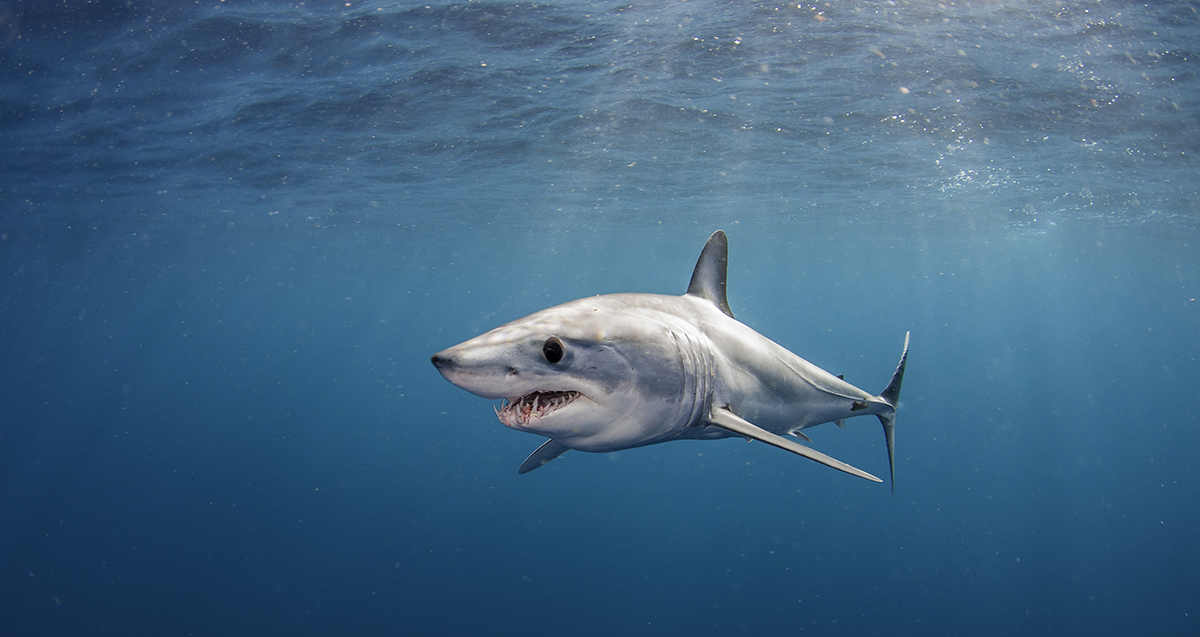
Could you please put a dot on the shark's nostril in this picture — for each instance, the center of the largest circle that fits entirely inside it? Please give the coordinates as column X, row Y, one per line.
column 440, row 360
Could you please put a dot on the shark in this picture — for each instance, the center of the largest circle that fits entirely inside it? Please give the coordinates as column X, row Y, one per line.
column 619, row 371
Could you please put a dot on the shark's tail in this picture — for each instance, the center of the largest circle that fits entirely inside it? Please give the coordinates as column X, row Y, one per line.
column 891, row 395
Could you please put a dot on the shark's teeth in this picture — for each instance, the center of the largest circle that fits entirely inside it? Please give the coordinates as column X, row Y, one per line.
column 530, row 407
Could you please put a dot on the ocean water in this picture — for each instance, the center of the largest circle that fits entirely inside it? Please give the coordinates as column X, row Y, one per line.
column 233, row 232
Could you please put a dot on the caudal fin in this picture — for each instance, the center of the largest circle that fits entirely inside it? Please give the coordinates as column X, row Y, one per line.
column 891, row 395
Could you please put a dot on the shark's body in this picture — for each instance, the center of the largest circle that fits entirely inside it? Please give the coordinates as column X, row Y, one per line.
column 618, row 371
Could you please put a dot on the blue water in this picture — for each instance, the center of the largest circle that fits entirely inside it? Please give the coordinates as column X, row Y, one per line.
column 233, row 232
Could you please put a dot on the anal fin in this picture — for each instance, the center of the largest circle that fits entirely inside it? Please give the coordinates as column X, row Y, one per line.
column 729, row 421
column 543, row 454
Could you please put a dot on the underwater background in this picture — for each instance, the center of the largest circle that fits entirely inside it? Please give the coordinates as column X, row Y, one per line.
column 233, row 232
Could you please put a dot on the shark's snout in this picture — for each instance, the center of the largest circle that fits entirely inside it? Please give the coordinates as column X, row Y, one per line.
column 468, row 371
column 442, row 361
column 450, row 367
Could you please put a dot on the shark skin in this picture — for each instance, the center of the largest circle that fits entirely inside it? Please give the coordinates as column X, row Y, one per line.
column 618, row 371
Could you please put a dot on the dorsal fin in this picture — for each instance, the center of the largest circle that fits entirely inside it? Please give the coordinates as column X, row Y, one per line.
column 708, row 279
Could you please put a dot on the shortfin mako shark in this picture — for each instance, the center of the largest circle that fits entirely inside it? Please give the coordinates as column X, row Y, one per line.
column 617, row 371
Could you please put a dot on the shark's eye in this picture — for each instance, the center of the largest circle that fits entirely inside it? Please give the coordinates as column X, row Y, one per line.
column 553, row 349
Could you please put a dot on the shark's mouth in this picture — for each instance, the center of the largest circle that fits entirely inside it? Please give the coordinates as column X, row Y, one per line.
column 530, row 407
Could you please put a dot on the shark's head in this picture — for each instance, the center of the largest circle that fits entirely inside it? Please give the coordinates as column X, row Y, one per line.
column 597, row 374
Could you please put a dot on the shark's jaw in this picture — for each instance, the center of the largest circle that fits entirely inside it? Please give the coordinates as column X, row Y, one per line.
column 524, row 411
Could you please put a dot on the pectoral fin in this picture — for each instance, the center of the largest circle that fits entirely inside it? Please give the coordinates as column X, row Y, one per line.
column 543, row 454
column 729, row 421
